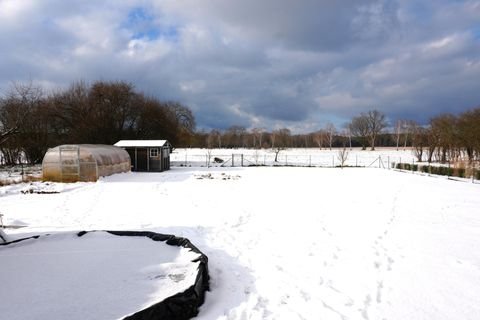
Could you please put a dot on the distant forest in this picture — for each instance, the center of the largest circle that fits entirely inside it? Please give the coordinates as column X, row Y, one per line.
column 104, row 112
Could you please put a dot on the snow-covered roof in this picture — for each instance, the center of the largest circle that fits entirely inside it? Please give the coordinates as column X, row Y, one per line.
column 141, row 143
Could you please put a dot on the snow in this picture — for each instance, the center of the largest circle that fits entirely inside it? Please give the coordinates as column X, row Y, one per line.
column 141, row 143
column 96, row 276
column 17, row 174
column 293, row 243
column 307, row 157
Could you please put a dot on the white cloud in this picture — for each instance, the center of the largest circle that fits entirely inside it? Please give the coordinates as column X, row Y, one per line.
column 13, row 10
column 281, row 63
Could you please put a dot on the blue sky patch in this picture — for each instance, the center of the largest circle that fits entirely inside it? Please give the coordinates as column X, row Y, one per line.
column 476, row 32
column 144, row 25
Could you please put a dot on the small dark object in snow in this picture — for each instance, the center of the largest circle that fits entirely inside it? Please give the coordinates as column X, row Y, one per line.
column 218, row 160
column 31, row 190
column 222, row 176
column 205, row 176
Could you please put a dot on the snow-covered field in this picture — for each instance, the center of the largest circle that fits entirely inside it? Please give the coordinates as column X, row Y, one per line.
column 292, row 243
column 305, row 157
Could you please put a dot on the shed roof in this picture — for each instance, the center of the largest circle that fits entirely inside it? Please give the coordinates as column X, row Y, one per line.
column 142, row 143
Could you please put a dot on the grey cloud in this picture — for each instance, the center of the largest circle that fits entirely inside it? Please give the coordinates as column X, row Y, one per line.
column 258, row 63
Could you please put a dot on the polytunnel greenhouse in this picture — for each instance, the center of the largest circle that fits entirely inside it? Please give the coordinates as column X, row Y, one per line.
column 83, row 162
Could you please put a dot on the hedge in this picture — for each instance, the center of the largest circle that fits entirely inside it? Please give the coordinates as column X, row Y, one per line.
column 437, row 170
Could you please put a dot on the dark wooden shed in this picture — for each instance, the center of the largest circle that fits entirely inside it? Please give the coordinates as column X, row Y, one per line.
column 147, row 155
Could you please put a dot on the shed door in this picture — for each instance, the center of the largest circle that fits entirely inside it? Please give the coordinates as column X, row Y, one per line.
column 142, row 159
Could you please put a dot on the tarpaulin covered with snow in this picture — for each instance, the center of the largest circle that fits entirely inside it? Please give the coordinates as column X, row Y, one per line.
column 102, row 275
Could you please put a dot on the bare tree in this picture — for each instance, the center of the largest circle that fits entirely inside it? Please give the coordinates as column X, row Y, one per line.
column 216, row 137
column 257, row 137
column 347, row 132
column 399, row 128
column 360, row 129
column 330, row 133
column 408, row 130
column 19, row 124
column 419, row 140
column 211, row 137
column 376, row 123
column 5, row 133
column 282, row 139
column 235, row 136
column 469, row 133
column 444, row 129
column 342, row 154
column 318, row 138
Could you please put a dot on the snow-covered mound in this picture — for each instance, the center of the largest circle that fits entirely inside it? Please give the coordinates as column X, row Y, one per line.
column 94, row 275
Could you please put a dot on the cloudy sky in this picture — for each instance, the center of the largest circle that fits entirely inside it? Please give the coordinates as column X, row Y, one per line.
column 256, row 63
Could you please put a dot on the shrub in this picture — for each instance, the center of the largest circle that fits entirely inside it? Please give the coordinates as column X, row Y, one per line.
column 459, row 172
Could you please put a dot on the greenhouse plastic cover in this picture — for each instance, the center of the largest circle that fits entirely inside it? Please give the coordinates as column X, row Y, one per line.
column 84, row 162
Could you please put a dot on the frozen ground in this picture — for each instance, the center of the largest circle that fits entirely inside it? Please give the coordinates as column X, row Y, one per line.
column 293, row 243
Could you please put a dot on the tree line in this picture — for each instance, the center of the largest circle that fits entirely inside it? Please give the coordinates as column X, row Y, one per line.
column 103, row 112
column 365, row 130
column 447, row 137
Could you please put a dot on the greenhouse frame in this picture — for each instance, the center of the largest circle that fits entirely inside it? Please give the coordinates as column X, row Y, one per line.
column 83, row 162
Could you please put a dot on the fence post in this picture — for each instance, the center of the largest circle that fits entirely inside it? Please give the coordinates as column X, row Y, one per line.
column 185, row 159
column 286, row 160
column 356, row 160
column 379, row 161
column 413, row 163
column 333, row 161
column 310, row 160
column 388, row 162
column 242, row 159
column 233, row 160
column 264, row 159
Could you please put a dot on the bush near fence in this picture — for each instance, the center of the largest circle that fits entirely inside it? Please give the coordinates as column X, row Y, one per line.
column 439, row 170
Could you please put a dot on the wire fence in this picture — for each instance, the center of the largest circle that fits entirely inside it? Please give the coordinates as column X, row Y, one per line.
column 403, row 162
column 293, row 160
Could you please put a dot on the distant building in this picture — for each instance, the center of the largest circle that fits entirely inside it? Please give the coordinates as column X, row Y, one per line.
column 147, row 155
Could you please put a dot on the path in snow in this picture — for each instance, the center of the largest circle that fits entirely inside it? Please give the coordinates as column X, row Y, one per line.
column 296, row 243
